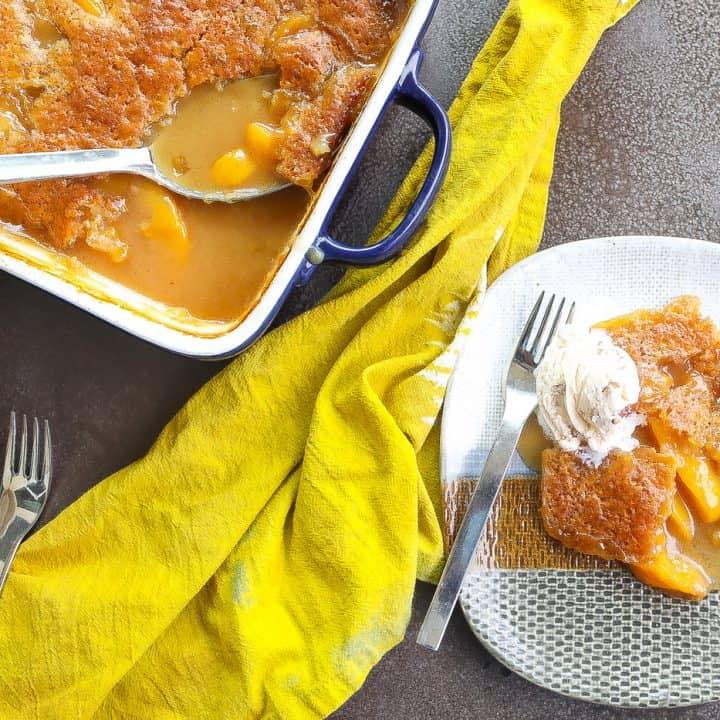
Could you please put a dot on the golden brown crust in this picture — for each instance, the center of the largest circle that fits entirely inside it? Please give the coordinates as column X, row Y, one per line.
column 677, row 352
column 677, row 335
column 707, row 363
column 70, row 211
column 312, row 129
column 616, row 510
column 365, row 27
column 712, row 437
column 109, row 78
column 687, row 409
column 233, row 41
column 305, row 60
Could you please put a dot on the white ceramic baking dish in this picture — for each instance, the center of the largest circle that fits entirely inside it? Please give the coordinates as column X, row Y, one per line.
column 175, row 329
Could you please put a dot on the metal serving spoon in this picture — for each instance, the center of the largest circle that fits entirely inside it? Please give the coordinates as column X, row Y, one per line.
column 26, row 167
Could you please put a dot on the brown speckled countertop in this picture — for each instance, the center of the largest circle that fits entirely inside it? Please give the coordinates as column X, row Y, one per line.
column 639, row 152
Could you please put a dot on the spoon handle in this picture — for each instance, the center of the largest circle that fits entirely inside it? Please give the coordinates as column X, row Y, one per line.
column 75, row 163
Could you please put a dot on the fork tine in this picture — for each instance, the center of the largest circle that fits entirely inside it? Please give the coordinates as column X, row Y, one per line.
column 34, row 451
column 541, row 329
column 571, row 313
column 552, row 332
column 47, row 457
column 522, row 342
column 22, row 463
column 10, row 452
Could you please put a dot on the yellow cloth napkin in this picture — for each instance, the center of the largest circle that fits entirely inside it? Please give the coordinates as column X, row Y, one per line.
column 262, row 557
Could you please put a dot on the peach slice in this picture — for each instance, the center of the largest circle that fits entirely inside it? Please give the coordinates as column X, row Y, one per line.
column 698, row 474
column 232, row 169
column 166, row 224
column 673, row 573
column 700, row 478
column 93, row 7
column 261, row 141
column 680, row 523
column 291, row 25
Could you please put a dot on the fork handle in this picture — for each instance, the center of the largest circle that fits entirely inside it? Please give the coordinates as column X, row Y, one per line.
column 7, row 555
column 461, row 554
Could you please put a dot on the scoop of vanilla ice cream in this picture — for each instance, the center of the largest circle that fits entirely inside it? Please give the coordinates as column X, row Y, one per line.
column 585, row 385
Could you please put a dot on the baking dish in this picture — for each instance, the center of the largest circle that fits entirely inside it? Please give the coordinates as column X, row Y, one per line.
column 174, row 329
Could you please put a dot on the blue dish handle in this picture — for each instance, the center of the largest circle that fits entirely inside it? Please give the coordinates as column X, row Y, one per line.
column 411, row 94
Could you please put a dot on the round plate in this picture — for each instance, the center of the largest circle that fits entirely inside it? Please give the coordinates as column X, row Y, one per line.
column 594, row 634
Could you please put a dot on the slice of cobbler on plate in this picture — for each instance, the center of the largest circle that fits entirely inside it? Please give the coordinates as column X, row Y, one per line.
column 632, row 408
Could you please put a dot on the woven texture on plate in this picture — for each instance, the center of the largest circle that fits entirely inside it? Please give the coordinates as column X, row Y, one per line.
column 514, row 537
column 599, row 636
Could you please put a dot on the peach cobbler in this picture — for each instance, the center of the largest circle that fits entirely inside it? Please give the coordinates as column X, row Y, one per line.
column 113, row 73
column 632, row 407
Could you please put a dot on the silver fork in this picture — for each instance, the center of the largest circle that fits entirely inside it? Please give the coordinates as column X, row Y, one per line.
column 25, row 488
column 520, row 401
